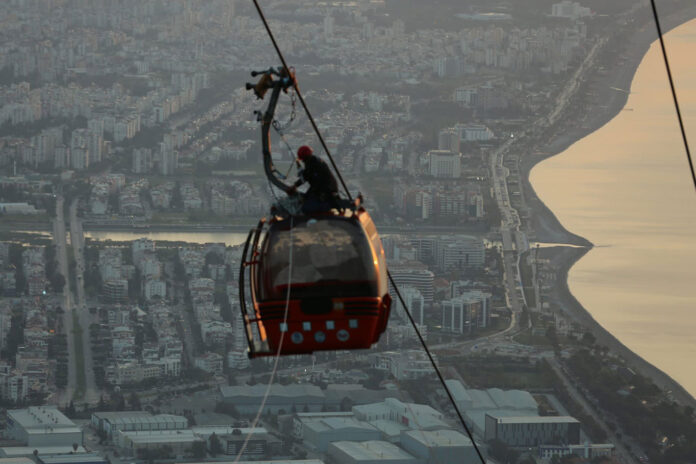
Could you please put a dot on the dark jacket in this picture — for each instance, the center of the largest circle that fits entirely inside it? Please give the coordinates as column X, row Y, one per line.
column 322, row 182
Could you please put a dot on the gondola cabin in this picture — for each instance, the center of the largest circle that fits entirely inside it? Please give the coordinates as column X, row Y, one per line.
column 329, row 271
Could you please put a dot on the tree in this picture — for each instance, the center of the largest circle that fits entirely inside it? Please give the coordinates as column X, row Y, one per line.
column 501, row 452
column 70, row 410
column 215, row 445
column 588, row 339
column 119, row 402
column 57, row 282
column 346, row 404
column 101, row 406
column 15, row 336
column 164, row 452
column 134, row 402
column 198, row 450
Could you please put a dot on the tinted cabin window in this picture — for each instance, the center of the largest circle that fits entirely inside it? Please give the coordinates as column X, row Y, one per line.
column 331, row 258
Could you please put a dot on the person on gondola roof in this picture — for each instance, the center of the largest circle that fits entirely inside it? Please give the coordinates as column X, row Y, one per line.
column 322, row 194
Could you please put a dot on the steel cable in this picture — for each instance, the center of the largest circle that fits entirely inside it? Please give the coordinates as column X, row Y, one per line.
column 301, row 98
column 437, row 369
column 277, row 357
column 413, row 322
column 674, row 91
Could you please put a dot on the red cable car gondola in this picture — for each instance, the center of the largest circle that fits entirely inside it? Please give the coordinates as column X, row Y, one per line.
column 327, row 270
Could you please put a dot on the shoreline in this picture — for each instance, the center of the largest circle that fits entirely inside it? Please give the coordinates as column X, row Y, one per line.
column 220, row 228
column 603, row 106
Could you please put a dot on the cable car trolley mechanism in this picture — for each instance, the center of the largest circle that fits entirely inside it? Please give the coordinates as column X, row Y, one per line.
column 309, row 281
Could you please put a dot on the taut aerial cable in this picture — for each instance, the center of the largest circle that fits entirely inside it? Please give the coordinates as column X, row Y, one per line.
column 674, row 91
column 403, row 303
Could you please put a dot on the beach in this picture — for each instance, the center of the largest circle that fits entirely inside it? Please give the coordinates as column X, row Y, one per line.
column 602, row 102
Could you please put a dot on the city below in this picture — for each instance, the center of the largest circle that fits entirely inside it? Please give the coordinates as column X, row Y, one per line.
column 131, row 173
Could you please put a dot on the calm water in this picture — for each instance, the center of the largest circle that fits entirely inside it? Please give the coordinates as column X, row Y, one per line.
column 228, row 238
column 627, row 188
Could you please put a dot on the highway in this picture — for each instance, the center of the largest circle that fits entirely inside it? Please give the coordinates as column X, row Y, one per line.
column 77, row 240
column 512, row 236
column 60, row 242
column 515, row 241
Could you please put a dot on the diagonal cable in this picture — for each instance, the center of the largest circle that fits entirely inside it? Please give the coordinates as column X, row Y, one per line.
column 437, row 369
column 413, row 322
column 301, row 98
column 674, row 91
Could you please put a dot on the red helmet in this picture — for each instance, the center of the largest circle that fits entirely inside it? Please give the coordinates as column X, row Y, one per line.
column 304, row 152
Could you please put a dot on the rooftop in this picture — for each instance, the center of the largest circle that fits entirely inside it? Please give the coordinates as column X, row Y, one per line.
column 492, row 398
column 371, row 450
column 85, row 458
column 138, row 417
column 335, row 423
column 388, row 428
column 259, row 391
column 160, row 436
column 225, row 430
column 16, row 451
column 40, row 419
column 535, row 419
column 438, row 438
column 16, row 461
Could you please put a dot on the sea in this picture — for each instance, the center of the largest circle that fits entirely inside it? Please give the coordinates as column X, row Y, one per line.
column 627, row 188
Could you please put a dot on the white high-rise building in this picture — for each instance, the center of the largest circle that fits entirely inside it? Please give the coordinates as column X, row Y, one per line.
column 95, row 147
column 467, row 312
column 79, row 158
column 459, row 252
column 142, row 160
column 449, row 139
column 474, row 132
column 61, row 157
column 421, row 279
column 414, row 303
column 445, row 164
column 168, row 159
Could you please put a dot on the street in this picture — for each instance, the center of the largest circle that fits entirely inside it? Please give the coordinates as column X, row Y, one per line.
column 59, row 240
column 77, row 239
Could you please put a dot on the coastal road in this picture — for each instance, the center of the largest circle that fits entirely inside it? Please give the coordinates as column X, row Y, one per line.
column 569, row 90
column 515, row 241
column 60, row 242
column 77, row 239
column 509, row 229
